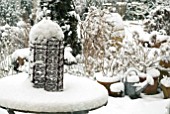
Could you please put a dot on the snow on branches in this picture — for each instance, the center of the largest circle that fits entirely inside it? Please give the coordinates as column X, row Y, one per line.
column 103, row 32
column 138, row 56
column 11, row 38
column 158, row 20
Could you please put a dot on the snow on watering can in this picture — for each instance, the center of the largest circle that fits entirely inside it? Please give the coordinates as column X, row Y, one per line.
column 133, row 87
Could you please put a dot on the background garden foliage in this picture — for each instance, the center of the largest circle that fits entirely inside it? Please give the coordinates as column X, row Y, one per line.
column 74, row 16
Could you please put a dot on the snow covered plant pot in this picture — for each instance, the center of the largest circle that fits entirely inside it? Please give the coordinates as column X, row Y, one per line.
column 151, row 89
column 164, row 63
column 107, row 81
column 165, row 85
column 117, row 89
column 47, row 55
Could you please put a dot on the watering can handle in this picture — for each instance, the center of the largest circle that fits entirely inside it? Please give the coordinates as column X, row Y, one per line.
column 128, row 71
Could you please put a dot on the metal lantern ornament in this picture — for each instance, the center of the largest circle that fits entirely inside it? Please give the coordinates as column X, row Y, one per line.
column 47, row 55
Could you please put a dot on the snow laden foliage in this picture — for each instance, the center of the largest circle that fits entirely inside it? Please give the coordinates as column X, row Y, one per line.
column 11, row 39
column 165, row 52
column 26, row 7
column 158, row 20
column 136, row 11
column 9, row 12
column 15, row 62
column 62, row 12
column 138, row 55
column 102, row 32
column 25, row 29
column 14, row 10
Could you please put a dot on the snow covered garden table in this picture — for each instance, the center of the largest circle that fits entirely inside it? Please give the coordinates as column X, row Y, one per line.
column 80, row 95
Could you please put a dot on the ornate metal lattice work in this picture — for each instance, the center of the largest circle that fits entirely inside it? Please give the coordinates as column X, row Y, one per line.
column 47, row 65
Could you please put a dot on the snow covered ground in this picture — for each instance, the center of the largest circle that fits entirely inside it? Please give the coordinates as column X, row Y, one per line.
column 147, row 104
column 150, row 104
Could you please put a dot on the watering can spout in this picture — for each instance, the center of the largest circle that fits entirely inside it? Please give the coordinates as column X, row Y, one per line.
column 141, row 88
column 149, row 81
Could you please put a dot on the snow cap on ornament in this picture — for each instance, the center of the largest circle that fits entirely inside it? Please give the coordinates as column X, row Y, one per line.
column 44, row 30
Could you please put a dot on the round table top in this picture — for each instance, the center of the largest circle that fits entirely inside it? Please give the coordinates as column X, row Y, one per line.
column 80, row 93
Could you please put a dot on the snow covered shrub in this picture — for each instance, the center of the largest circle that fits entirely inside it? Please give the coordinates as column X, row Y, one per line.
column 165, row 52
column 15, row 63
column 136, row 11
column 12, row 38
column 24, row 29
column 102, row 32
column 121, row 8
column 164, row 63
column 9, row 10
column 152, row 40
column 158, row 20
column 63, row 12
column 144, row 59
column 139, row 56
column 26, row 10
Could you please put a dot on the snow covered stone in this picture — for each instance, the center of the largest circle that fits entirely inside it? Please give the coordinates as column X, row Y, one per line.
column 45, row 29
column 47, row 55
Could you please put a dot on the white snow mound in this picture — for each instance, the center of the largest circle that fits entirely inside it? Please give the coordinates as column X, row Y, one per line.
column 117, row 87
column 165, row 81
column 46, row 29
column 107, row 79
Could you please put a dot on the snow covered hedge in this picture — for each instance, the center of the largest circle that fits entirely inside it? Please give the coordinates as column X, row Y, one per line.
column 12, row 38
column 102, row 32
column 159, row 20
column 136, row 11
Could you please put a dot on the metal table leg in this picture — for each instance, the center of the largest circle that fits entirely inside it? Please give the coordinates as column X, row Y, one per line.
column 10, row 111
column 78, row 112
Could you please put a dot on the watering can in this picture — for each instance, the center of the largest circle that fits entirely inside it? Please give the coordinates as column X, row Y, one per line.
column 133, row 87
